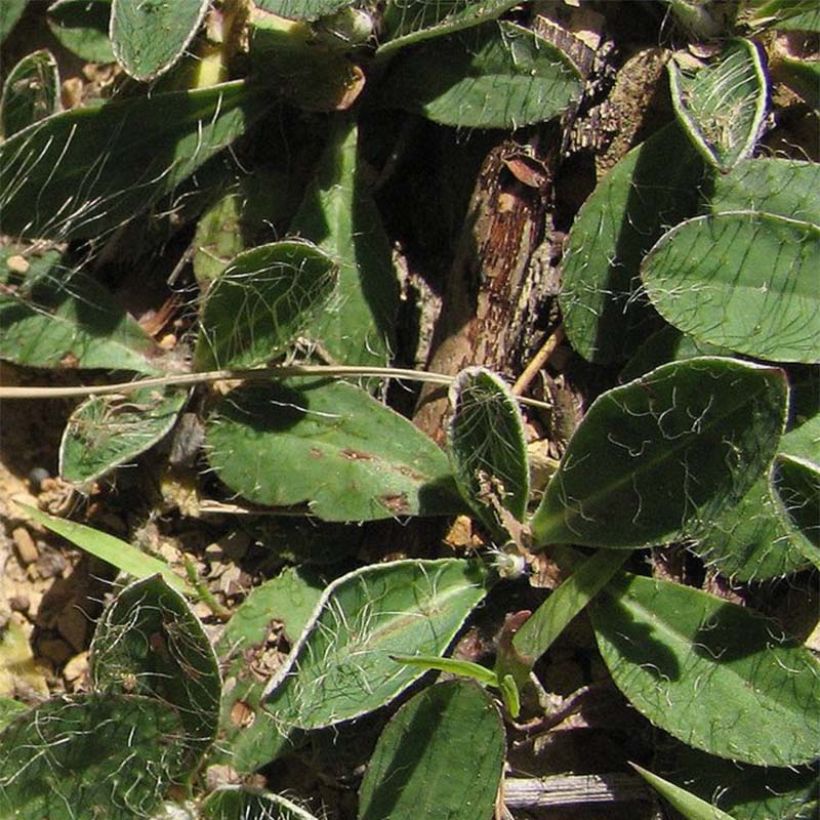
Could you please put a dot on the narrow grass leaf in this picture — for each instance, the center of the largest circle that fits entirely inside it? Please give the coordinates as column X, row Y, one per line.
column 543, row 627
column 689, row 805
column 116, row 552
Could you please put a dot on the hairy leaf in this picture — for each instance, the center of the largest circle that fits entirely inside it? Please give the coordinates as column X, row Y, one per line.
column 150, row 36
column 743, row 280
column 84, row 172
column 488, row 449
column 497, row 75
column 112, row 755
column 107, row 431
column 339, row 215
column 655, row 458
column 149, row 642
column 31, row 91
column 622, row 218
column 713, row 674
column 262, row 301
column 230, row 802
column 82, row 27
column 341, row 667
column 722, row 106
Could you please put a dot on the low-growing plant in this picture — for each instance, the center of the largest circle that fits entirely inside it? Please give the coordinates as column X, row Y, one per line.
column 689, row 268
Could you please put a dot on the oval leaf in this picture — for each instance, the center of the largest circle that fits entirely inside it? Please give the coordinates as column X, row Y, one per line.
column 497, row 75
column 106, row 431
column 440, row 756
column 264, row 299
column 722, row 106
column 620, row 221
column 713, row 674
column 743, row 280
column 82, row 27
column 339, row 215
column 149, row 642
column 796, row 486
column 488, row 449
column 148, row 37
column 112, row 755
column 31, row 91
column 57, row 317
column 302, row 9
column 329, row 445
column 84, row 172
column 341, row 667
column 671, row 449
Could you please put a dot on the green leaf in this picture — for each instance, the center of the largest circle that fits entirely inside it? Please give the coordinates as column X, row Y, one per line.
column 666, row 345
column 796, row 488
column 497, row 75
column 230, row 802
column 116, row 552
column 302, row 9
column 57, row 317
column 783, row 187
column 411, row 21
column 250, row 737
column 688, row 804
column 620, row 221
column 751, row 541
column 802, row 76
column 787, row 15
column 715, row 675
column 722, row 106
column 264, row 299
column 10, row 13
column 542, row 628
column 148, row 37
column 106, row 431
column 84, row 172
column 112, row 755
column 488, row 449
column 82, row 27
column 31, row 91
column 746, row 792
column 341, row 666
column 339, row 215
column 149, row 642
column 440, row 756
column 671, row 449
column 743, row 280
column 329, row 445
column 10, row 709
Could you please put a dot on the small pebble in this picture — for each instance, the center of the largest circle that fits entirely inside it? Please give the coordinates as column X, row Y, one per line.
column 17, row 264
column 36, row 477
column 20, row 603
column 27, row 550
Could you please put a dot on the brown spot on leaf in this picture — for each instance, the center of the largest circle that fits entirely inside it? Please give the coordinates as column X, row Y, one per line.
column 397, row 503
column 355, row 455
